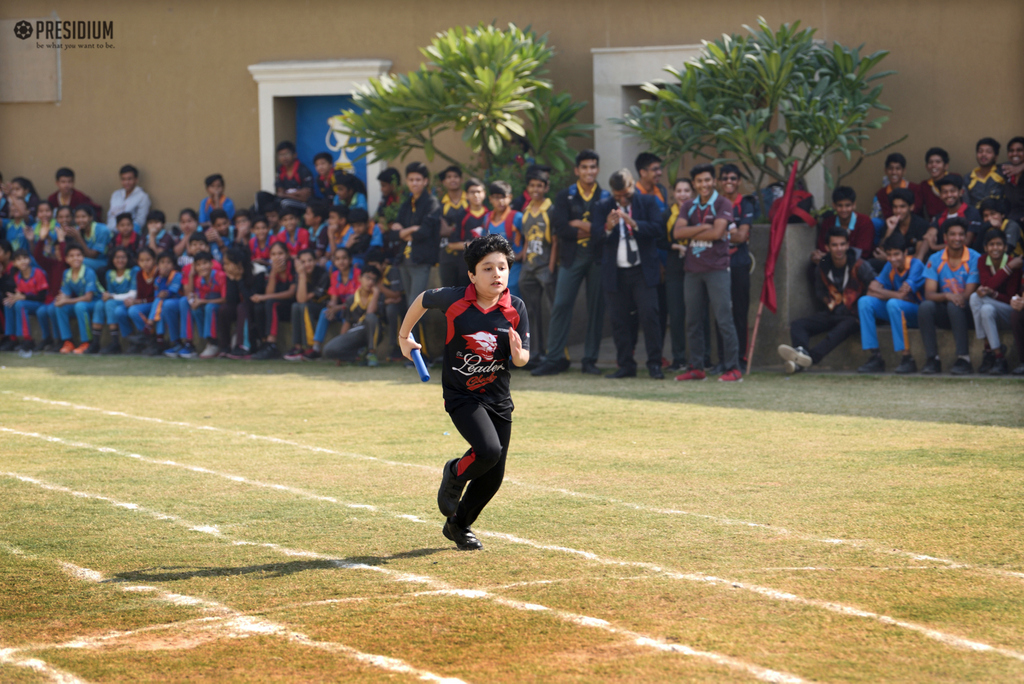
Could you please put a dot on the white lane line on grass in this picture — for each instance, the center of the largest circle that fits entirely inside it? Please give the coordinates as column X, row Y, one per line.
column 948, row 639
column 9, row 656
column 864, row 545
column 234, row 624
column 440, row 587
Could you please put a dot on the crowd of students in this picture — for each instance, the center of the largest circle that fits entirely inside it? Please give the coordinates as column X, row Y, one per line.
column 663, row 262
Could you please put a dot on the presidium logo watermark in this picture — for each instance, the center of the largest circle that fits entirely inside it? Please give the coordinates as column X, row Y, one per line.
column 68, row 35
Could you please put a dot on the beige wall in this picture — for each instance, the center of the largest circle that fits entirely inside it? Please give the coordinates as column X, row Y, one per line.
column 175, row 99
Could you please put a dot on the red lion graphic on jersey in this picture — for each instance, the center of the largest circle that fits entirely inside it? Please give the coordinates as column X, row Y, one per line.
column 482, row 343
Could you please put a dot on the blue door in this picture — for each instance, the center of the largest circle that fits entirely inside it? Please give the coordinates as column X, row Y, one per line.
column 313, row 133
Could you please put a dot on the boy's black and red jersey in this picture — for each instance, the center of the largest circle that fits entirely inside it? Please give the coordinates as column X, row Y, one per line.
column 477, row 348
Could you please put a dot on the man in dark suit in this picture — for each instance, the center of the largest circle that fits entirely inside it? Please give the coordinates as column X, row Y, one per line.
column 630, row 270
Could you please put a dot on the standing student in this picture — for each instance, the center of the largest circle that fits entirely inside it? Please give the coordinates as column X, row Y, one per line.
column 984, row 181
column 274, row 303
column 138, row 304
column 389, row 180
column 895, row 167
column 488, row 331
column 950, row 189
column 743, row 210
column 571, row 221
column 675, row 275
column 537, row 277
column 360, row 325
column 951, row 277
column 936, row 160
column 894, row 297
column 164, row 314
column 649, row 171
column 467, row 224
column 999, row 278
column 129, row 198
column 704, row 221
column 110, row 309
column 294, row 182
column 454, row 202
column 631, row 270
column 76, row 294
column 1017, row 325
column 344, row 281
column 503, row 220
column 418, row 225
column 67, row 196
column 841, row 279
column 312, row 294
column 30, row 288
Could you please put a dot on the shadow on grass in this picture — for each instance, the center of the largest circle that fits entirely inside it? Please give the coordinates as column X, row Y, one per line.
column 267, row 570
column 977, row 400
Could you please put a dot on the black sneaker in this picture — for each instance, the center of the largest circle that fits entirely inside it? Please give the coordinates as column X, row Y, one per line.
column 988, row 359
column 27, row 346
column 876, row 364
column 48, row 345
column 136, row 348
column 590, row 368
column 112, row 348
column 239, row 354
column 622, row 373
column 267, row 352
column 450, row 491
column 655, row 370
column 1000, row 367
column 545, row 369
column 94, row 345
column 155, row 348
column 563, row 364
column 9, row 345
column 932, row 367
column 961, row 367
column 463, row 537
column 907, row 366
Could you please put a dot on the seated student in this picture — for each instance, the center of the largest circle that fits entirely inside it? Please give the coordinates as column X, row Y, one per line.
column 859, row 228
column 76, row 295
column 349, row 190
column 188, row 225
column 841, row 280
column 129, row 198
column 893, row 296
column 331, row 237
column 294, row 182
column 936, row 160
column 49, row 253
column 18, row 229
column 294, row 238
column 30, row 289
column 125, row 235
column 218, row 235
column 389, row 180
column 44, row 218
column 23, row 189
column 1013, row 171
column 323, row 164
column 195, row 244
column 951, row 276
column 985, row 181
column 907, row 223
column 273, row 302
column 392, row 299
column 895, row 166
column 92, row 237
column 993, row 216
column 273, row 215
column 68, row 196
column 466, row 224
column 344, row 281
column 950, row 189
column 360, row 325
column 999, row 278
column 110, row 309
column 241, row 227
column 7, row 286
column 312, row 294
column 315, row 220
column 260, row 242
column 165, row 311
column 537, row 279
column 504, row 221
column 204, row 293
column 215, row 199
column 139, row 303
column 156, row 235
column 237, row 307
column 358, row 239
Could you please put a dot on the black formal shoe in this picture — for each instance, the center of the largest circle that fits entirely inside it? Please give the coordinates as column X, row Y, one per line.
column 932, row 367
column 907, row 366
column 462, row 536
column 655, row 370
column 563, row 364
column 622, row 373
column 988, row 359
column 1000, row 367
column 590, row 368
column 876, row 364
column 961, row 367
column 545, row 369
column 450, row 491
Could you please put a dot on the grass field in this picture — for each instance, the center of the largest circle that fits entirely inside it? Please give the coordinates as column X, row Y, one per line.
column 216, row 521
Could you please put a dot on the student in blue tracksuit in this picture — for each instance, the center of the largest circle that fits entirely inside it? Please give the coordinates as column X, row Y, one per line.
column 77, row 291
column 893, row 296
column 110, row 309
column 165, row 311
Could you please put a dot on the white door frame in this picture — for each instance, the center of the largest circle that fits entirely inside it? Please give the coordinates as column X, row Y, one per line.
column 301, row 78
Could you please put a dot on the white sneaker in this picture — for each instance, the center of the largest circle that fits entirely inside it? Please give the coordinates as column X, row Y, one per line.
column 210, row 352
column 790, row 367
column 798, row 356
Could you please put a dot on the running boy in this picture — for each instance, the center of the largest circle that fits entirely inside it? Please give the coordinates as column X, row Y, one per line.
column 487, row 330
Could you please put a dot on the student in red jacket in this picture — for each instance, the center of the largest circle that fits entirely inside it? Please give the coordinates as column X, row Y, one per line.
column 998, row 281
column 67, row 196
column 936, row 160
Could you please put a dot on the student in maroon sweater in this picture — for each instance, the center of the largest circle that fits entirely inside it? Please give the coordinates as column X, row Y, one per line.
column 895, row 166
column 998, row 281
column 936, row 160
column 67, row 196
column 859, row 227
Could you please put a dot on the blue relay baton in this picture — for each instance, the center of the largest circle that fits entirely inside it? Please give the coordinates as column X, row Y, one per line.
column 417, row 359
